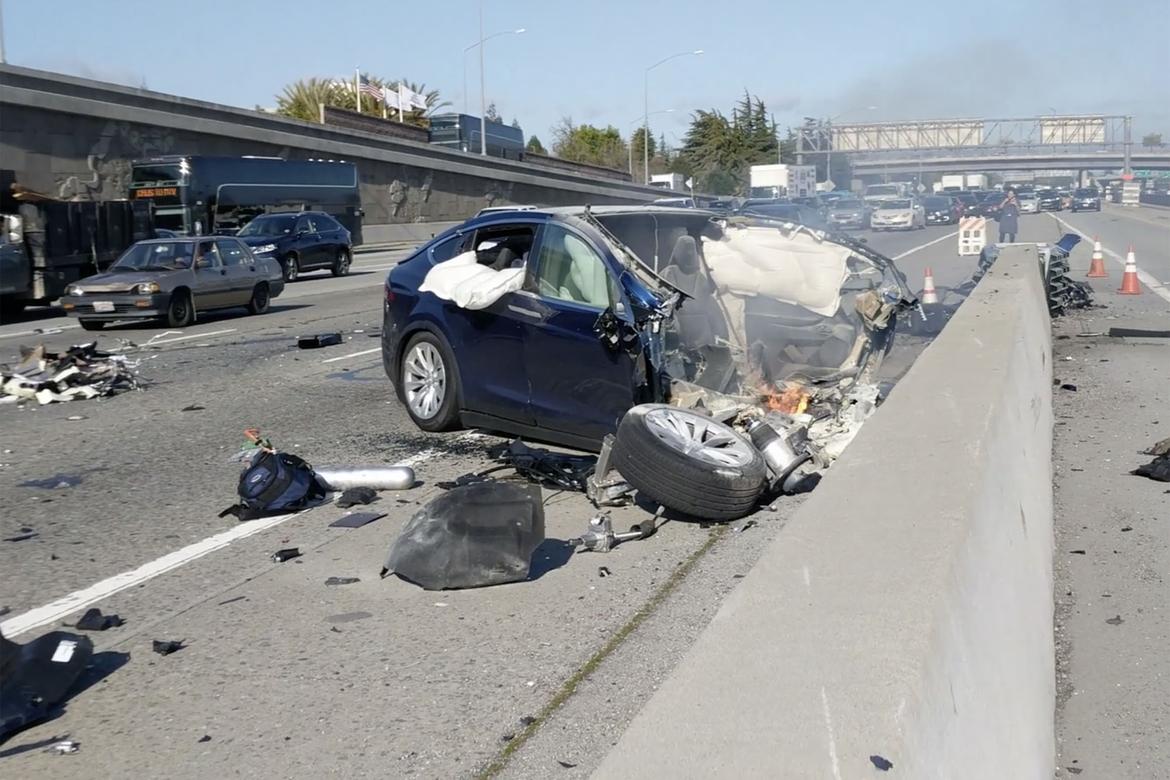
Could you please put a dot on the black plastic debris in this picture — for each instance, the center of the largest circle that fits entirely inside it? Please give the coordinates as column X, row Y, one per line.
column 356, row 519
column 1115, row 621
column 193, row 408
column 883, row 764
column 205, row 738
column 1139, row 333
column 566, row 764
column 603, row 571
column 545, row 467
column 470, row 537
column 1070, row 387
column 35, row 677
column 167, row 646
column 342, row 580
column 20, row 537
column 356, row 495
column 287, row 554
column 319, row 340
column 1076, row 552
column 1157, row 469
column 527, row 720
column 55, row 482
column 94, row 620
column 470, row 479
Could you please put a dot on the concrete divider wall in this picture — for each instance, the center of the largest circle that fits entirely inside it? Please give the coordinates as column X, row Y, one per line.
column 906, row 611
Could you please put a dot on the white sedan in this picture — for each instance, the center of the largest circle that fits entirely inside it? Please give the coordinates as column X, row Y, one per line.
column 1029, row 204
column 899, row 214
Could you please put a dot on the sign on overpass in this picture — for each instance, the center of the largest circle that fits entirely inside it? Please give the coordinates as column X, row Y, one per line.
column 897, row 136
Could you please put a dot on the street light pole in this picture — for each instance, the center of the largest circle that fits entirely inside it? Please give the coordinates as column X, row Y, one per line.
column 646, row 108
column 482, row 92
column 645, row 135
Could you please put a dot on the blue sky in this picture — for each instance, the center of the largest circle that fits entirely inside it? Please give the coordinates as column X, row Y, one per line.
column 904, row 58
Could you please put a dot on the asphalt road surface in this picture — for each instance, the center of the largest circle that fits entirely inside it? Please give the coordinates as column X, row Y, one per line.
column 282, row 675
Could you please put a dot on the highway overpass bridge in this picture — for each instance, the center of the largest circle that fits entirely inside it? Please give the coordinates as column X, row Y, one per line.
column 989, row 162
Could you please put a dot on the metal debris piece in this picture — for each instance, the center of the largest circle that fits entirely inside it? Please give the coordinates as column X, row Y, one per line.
column 287, row 554
column 167, row 646
column 545, row 467
column 600, row 537
column 64, row 747
column 356, row 519
column 81, row 372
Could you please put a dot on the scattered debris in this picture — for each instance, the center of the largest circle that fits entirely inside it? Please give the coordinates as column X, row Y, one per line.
column 1161, row 448
column 287, row 554
column 1157, row 469
column 1070, row 387
column 527, row 720
column 348, row 617
column 336, row 630
column 356, row 495
column 469, row 537
column 318, row 341
column 64, row 747
column 82, row 372
column 884, row 764
column 1076, row 552
column 1139, row 333
column 94, row 620
column 605, row 486
column 507, row 737
column 167, row 646
column 566, row 764
column 747, row 525
column 55, row 482
column 272, row 482
column 205, row 738
column 599, row 537
column 1076, row 770
column 356, row 519
column 342, row 580
column 36, row 677
column 232, row 600
column 193, row 408
column 20, row 537
column 373, row 477
column 603, row 571
column 76, row 418
column 1115, row 621
column 545, row 467
column 1126, row 529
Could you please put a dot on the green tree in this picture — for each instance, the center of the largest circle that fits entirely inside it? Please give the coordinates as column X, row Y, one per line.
column 300, row 100
column 589, row 144
column 1152, row 139
column 491, row 114
column 535, row 146
column 516, row 123
column 718, row 150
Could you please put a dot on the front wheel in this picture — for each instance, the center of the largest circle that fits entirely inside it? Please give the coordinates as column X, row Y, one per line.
column 290, row 267
column 92, row 324
column 341, row 263
column 260, row 299
column 181, row 310
column 429, row 383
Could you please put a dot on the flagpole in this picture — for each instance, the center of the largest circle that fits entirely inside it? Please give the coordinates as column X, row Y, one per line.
column 357, row 89
column 400, row 101
column 384, row 102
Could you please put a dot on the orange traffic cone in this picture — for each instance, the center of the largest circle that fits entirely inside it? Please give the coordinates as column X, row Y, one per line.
column 1097, row 265
column 1129, row 280
column 929, row 294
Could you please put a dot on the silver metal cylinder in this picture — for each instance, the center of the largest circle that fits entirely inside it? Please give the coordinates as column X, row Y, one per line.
column 376, row 477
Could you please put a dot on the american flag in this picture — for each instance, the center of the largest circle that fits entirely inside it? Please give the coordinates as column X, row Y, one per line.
column 371, row 89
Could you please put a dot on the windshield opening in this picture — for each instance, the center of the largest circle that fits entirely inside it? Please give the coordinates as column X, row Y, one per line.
column 270, row 225
column 896, row 204
column 937, row 203
column 156, row 256
column 157, row 173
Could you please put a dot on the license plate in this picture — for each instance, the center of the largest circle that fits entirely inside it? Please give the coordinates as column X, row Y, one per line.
column 103, row 306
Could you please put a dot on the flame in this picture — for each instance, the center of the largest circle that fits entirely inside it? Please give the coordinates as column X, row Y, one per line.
column 791, row 400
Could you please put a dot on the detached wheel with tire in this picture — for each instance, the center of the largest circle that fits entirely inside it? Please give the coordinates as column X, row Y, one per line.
column 261, row 297
column 688, row 462
column 181, row 310
column 341, row 263
column 428, row 383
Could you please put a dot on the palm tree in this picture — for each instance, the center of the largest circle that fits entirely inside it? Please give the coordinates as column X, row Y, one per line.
column 300, row 100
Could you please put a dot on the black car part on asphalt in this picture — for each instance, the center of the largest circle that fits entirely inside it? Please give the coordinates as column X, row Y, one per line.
column 469, row 537
column 35, row 677
column 689, row 462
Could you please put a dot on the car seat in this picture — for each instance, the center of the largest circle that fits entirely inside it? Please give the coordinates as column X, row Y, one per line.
column 700, row 320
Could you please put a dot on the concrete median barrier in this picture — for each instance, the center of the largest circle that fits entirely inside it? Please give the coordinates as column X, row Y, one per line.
column 905, row 614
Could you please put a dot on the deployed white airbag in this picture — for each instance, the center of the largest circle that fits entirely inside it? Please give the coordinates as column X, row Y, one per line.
column 795, row 268
column 469, row 285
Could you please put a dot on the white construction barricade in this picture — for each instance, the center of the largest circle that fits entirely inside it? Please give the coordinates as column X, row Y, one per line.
column 1131, row 193
column 972, row 235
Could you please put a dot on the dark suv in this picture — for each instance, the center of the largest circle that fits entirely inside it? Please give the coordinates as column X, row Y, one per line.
column 1086, row 198
column 300, row 241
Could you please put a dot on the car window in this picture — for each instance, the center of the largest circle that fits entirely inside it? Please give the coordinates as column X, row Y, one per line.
column 448, row 248
column 303, row 224
column 569, row 269
column 503, row 246
column 324, row 222
column 206, row 251
column 231, row 253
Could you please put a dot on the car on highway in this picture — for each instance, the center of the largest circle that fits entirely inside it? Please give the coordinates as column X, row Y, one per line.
column 174, row 279
column 1029, row 203
column 300, row 241
column 968, row 202
column 553, row 323
column 848, row 212
column 942, row 210
column 786, row 211
column 1086, row 199
column 898, row 214
column 989, row 203
column 1049, row 200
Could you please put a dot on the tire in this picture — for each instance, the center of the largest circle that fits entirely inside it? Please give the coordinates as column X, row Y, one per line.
column 261, row 297
column 290, row 268
column 92, row 324
column 341, row 263
column 180, row 310
column 427, row 364
column 651, row 451
column 10, row 309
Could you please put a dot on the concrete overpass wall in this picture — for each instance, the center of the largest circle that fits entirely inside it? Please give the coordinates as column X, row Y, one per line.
column 74, row 138
column 906, row 611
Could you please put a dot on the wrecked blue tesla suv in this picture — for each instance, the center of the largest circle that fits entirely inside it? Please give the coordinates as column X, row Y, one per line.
column 552, row 323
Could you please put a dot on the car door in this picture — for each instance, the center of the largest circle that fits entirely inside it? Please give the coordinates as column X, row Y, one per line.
column 306, row 243
column 212, row 287
column 329, row 235
column 241, row 270
column 489, row 343
column 578, row 384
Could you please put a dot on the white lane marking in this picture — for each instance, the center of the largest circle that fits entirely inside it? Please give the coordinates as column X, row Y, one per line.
column 192, row 336
column 78, row 600
column 51, row 329
column 836, row 763
column 1155, row 286
column 924, row 246
column 355, row 354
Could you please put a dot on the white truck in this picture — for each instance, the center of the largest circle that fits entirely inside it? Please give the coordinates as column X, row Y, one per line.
column 976, row 181
column 952, row 182
column 781, row 180
column 669, row 181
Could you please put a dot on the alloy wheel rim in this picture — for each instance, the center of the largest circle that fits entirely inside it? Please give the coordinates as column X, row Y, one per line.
column 424, row 379
column 698, row 437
